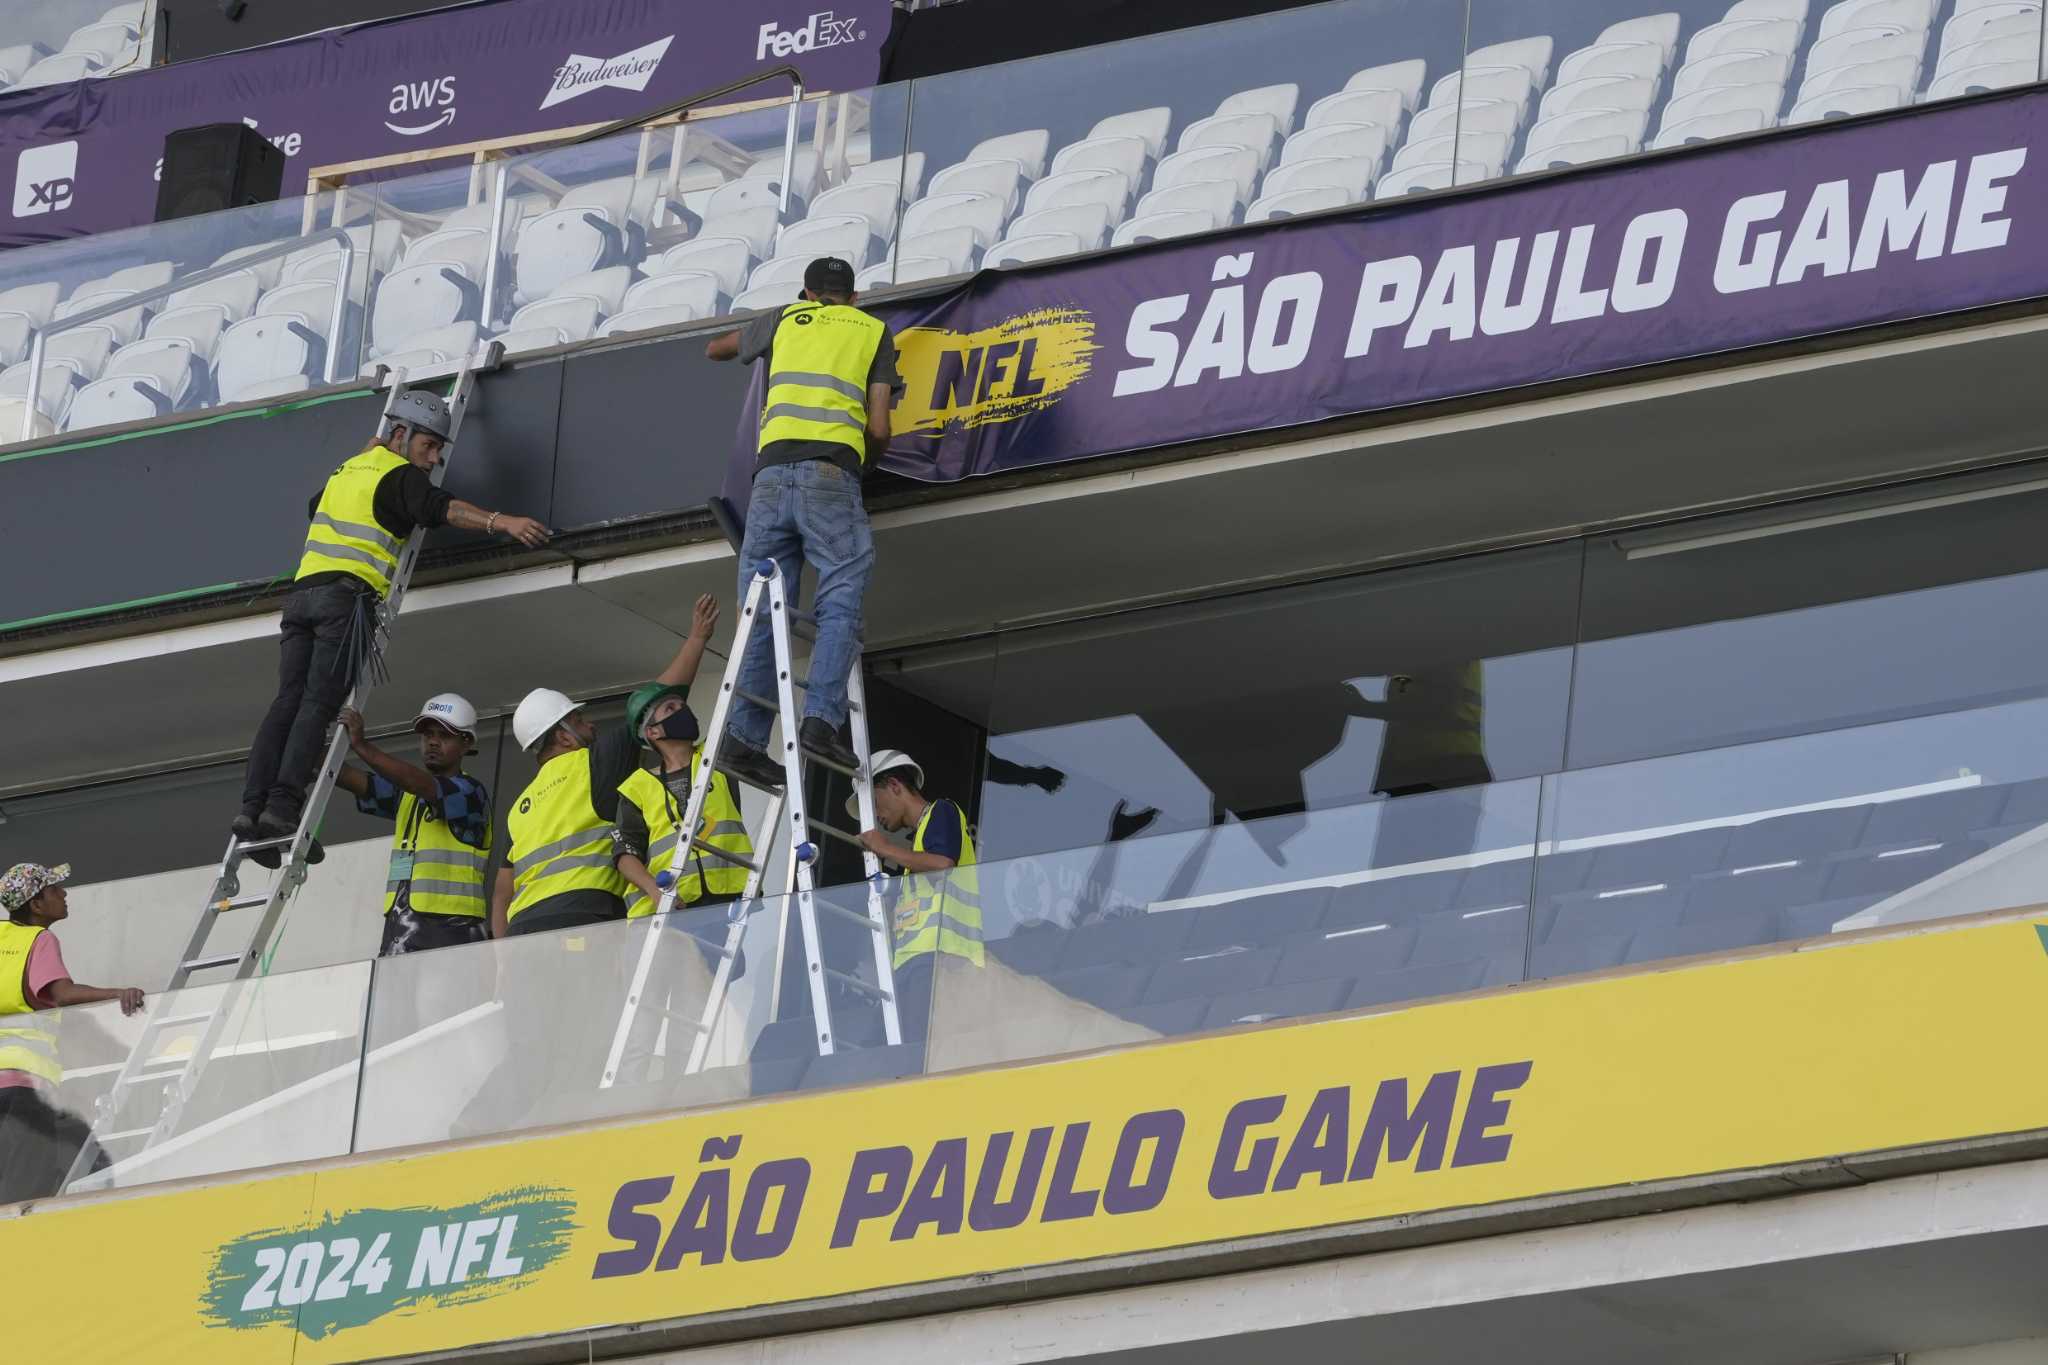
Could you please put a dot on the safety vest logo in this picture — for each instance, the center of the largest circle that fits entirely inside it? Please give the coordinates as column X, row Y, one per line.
column 351, row 1270
column 955, row 381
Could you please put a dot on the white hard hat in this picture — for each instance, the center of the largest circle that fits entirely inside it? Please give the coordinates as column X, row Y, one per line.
column 884, row 762
column 541, row 712
column 452, row 710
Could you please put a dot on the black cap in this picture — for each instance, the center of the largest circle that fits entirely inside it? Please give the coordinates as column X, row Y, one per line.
column 829, row 275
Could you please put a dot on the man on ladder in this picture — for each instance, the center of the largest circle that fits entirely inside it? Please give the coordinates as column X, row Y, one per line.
column 360, row 521
column 938, row 912
column 831, row 381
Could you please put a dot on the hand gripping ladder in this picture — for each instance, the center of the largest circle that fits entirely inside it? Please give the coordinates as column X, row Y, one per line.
column 768, row 592
column 175, row 1077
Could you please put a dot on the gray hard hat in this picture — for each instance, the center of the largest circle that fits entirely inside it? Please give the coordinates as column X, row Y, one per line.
column 420, row 412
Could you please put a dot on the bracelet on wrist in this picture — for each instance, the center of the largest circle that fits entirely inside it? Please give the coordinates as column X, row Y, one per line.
column 490, row 523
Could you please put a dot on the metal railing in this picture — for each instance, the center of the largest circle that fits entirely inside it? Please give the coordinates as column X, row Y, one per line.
column 32, row 405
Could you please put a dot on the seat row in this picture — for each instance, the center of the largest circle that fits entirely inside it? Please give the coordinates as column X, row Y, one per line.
column 108, row 43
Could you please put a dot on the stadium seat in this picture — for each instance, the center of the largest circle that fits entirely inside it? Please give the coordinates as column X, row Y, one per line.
column 1090, row 223
column 1510, row 83
column 607, row 286
column 109, row 402
column 1733, row 68
column 1404, row 78
column 1126, row 155
column 17, row 331
column 1631, row 126
column 1598, row 92
column 12, row 413
column 623, row 199
column 1659, row 30
column 1846, row 103
column 1577, row 152
column 1381, row 109
column 1037, row 246
column 1313, row 199
column 1770, row 9
column 376, row 250
column 1725, row 99
column 134, row 279
column 1435, row 175
column 846, row 235
column 959, row 247
column 269, row 273
column 756, row 226
column 876, row 201
column 727, row 259
column 421, row 298
column 1743, row 35
column 59, row 383
column 905, row 171
column 561, row 244
column 743, row 194
column 1109, row 188
column 1473, row 116
column 1027, row 149
column 168, row 363
column 1989, row 52
column 1344, row 141
column 1352, row 176
column 1708, row 127
column 1279, row 101
column 915, row 269
column 442, row 348
column 84, row 349
column 1148, row 125
column 696, row 291
column 786, row 271
column 1900, row 73
column 1239, row 165
column 1158, row 227
column 764, row 297
column 313, row 302
column 803, row 170
column 1257, row 131
column 36, row 302
column 1969, row 80
column 14, row 61
column 2020, row 20
column 1641, row 61
column 1859, row 45
column 1221, row 200
column 1848, row 14
column 552, row 322
column 61, row 69
column 1487, row 150
column 102, row 41
column 648, row 320
column 268, row 355
column 468, row 249
column 125, row 326
column 478, row 217
column 984, row 213
column 234, row 294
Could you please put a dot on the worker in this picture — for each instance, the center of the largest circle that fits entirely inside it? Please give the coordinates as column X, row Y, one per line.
column 831, row 381
column 560, row 871
column 434, row 894
column 938, row 910
column 360, row 521
column 654, row 801
column 39, row 1142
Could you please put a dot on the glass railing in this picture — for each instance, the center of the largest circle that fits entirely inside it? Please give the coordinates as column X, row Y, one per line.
column 53, row 42
column 1311, row 109
column 1350, row 908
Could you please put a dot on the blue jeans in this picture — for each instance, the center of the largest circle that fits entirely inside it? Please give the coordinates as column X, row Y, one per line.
column 806, row 513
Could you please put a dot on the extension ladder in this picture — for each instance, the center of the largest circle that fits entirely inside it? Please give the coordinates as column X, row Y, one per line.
column 175, row 1077
column 768, row 593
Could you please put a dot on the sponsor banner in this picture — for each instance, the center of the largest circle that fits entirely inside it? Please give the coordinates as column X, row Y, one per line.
column 1850, row 1048
column 1589, row 272
column 86, row 157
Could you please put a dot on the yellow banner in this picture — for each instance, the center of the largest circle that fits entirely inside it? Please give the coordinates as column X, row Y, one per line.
column 1854, row 1047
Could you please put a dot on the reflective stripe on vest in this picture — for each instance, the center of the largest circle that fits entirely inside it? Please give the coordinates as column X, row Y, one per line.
column 23, row 1046
column 818, row 387
column 447, row 874
column 941, row 913
column 559, row 842
column 344, row 536
column 723, row 828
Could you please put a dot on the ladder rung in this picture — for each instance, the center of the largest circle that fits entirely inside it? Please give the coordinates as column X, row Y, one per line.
column 246, row 903
column 204, row 964
column 243, row 846
column 824, row 762
column 173, row 1020
column 690, row 1021
column 866, row 988
column 166, row 1074
column 725, row 855
column 835, row 832
column 126, row 1135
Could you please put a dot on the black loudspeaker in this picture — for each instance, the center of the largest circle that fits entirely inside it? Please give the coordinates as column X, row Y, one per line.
column 218, row 166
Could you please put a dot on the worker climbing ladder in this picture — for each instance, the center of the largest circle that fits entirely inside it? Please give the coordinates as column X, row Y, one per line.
column 175, row 1077
column 789, row 822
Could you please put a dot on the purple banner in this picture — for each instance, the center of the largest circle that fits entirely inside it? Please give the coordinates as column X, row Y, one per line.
column 86, row 156
column 1699, row 252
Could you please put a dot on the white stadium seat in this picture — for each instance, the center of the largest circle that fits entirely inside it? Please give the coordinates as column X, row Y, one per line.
column 1743, row 35
column 375, row 248
column 1109, row 188
column 1488, row 150
column 14, row 60
column 786, row 271
column 1380, row 108
column 61, row 69
column 1795, row 10
column 1239, row 165
column 1630, row 125
column 1436, row 175
column 1148, row 125
column 607, row 286
column 269, row 273
column 1707, row 127
column 1860, row 45
column 648, row 320
column 999, row 177
column 1901, row 72
column 104, row 41
column 1351, row 141
column 1531, row 54
column 36, row 302
column 438, row 350
column 84, row 349
column 1847, row 102
column 875, row 200
column 236, row 293
column 1510, row 83
column 1645, row 61
column 771, row 296
column 1257, row 131
column 1578, row 152
column 985, row 214
column 135, row 279
column 109, row 402
column 1127, row 156
column 1990, row 52
column 1474, row 116
column 198, row 325
column 1723, row 99
column 697, row 293
column 1660, row 30
column 1598, row 92
column 1351, row 176
column 904, row 171
column 1293, row 202
column 726, row 259
column 1405, row 78
column 552, row 322
column 958, row 247
column 2010, row 20
column 1990, row 76
column 844, row 235
column 467, row 249
column 1220, row 199
column 915, row 269
column 169, row 363
column 755, row 226
column 741, row 194
column 1039, row 246
column 125, row 326
column 58, row 385
column 12, row 413
column 1279, row 101
column 477, row 217
column 268, row 355
column 17, row 330
column 1090, row 223
column 1158, row 227
column 1732, row 68
column 313, row 301
column 420, row 298
column 1027, row 149
column 1839, row 18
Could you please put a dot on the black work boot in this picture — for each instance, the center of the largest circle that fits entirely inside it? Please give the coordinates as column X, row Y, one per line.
column 819, row 738
column 750, row 765
column 274, row 824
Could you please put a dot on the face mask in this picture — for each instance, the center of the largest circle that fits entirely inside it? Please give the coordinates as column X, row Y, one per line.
column 681, row 727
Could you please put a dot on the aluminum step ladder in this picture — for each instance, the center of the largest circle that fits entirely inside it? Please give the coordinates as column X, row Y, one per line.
column 176, row 1076
column 644, row 1017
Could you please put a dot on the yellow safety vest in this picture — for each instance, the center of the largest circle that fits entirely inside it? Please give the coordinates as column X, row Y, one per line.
column 818, row 386
column 23, row 1047
column 559, row 841
column 941, row 913
column 345, row 536
column 723, row 828
column 447, row 875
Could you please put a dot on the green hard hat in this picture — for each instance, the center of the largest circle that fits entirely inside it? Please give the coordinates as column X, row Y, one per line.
column 644, row 699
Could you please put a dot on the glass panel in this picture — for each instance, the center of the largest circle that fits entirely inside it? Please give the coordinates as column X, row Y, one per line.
column 40, row 30
column 1182, row 932
column 1169, row 134
column 44, row 1126
column 1794, row 838
column 277, row 1084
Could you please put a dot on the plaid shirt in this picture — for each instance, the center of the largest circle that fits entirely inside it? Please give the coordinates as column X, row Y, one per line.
column 464, row 805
